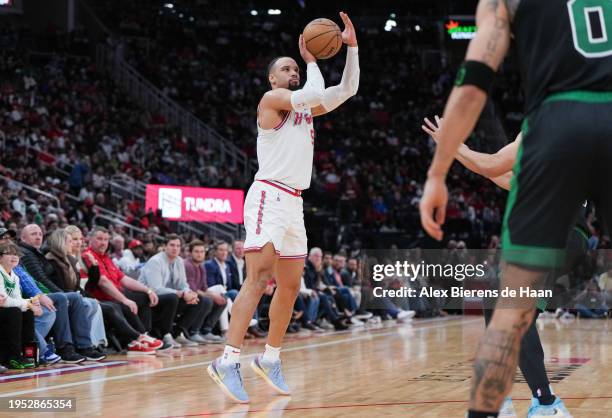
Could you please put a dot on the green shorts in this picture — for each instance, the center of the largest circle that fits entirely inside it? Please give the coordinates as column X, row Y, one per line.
column 564, row 159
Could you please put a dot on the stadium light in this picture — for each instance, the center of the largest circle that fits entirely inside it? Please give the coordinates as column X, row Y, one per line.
column 390, row 24
column 181, row 15
column 253, row 12
column 417, row 28
column 274, row 11
column 169, row 6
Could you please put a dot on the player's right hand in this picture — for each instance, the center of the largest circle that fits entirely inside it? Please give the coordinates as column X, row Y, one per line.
column 433, row 206
column 304, row 52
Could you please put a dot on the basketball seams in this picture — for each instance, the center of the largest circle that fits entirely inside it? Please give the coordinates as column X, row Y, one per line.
column 320, row 34
column 323, row 49
column 329, row 44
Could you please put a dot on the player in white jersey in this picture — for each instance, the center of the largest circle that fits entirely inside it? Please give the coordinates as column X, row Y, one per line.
column 273, row 214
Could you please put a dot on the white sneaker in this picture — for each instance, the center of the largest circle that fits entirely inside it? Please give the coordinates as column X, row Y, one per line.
column 169, row 340
column 356, row 322
column 184, row 341
column 212, row 338
column 324, row 324
column 197, row 338
column 365, row 315
column 405, row 315
column 507, row 409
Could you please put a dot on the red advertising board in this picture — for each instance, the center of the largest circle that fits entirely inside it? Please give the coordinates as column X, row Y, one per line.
column 197, row 204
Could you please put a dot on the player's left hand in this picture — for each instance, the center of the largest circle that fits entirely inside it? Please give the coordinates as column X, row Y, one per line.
column 349, row 36
column 432, row 128
column 433, row 206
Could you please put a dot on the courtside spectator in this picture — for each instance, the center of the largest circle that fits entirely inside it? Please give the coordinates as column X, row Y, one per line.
column 196, row 278
column 78, row 334
column 236, row 264
column 220, row 280
column 132, row 259
column 67, row 278
column 165, row 274
column 131, row 297
column 313, row 279
column 16, row 313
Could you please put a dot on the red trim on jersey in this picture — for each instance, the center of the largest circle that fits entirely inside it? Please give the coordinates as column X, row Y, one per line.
column 283, row 187
column 280, row 125
column 260, row 213
column 257, row 249
column 293, row 256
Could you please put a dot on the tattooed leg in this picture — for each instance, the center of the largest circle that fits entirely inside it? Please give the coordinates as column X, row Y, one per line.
column 498, row 352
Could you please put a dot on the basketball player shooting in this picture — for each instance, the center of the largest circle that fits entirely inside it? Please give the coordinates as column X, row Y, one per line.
column 275, row 242
column 561, row 161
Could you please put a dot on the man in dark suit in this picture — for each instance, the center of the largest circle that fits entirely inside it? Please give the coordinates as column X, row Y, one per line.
column 218, row 272
column 237, row 264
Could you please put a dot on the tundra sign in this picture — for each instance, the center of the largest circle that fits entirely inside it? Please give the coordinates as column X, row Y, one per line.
column 196, row 204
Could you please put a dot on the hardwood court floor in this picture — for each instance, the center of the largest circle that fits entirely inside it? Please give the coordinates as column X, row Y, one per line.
column 409, row 370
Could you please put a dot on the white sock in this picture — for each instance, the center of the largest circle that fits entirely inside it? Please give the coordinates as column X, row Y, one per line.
column 230, row 355
column 271, row 354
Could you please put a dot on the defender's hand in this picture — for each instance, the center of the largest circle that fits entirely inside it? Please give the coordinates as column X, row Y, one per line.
column 432, row 128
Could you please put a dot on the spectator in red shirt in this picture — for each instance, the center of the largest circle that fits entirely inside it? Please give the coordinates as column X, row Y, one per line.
column 134, row 299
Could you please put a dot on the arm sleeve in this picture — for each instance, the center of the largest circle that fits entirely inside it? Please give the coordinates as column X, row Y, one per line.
column 311, row 94
column 336, row 95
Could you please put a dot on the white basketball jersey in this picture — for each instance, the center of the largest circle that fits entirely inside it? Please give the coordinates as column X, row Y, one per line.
column 285, row 153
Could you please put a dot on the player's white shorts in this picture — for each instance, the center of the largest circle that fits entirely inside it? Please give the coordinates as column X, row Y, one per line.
column 274, row 213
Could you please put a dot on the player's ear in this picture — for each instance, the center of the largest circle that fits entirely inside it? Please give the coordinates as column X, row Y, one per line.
column 271, row 79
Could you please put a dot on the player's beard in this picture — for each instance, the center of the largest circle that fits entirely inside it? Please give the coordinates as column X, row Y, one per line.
column 293, row 86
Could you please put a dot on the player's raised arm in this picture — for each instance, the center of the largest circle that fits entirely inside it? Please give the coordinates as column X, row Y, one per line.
column 484, row 55
column 487, row 165
column 349, row 84
column 307, row 97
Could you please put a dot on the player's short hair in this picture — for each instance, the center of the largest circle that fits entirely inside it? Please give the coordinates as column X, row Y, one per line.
column 272, row 63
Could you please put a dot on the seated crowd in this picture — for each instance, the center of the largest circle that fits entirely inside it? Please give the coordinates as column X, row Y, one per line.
column 78, row 298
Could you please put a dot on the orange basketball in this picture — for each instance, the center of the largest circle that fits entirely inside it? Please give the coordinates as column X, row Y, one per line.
column 323, row 38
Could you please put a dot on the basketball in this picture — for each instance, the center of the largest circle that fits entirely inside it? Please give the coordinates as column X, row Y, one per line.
column 323, row 38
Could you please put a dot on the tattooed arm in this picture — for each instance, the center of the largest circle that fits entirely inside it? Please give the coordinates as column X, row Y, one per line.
column 463, row 109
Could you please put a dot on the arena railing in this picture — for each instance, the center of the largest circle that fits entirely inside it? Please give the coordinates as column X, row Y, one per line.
column 33, row 190
column 149, row 96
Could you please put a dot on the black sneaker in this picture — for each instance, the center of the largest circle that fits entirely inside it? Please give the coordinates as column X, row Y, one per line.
column 20, row 363
column 164, row 347
column 68, row 355
column 91, row 354
column 339, row 325
column 309, row 325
